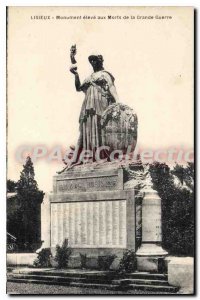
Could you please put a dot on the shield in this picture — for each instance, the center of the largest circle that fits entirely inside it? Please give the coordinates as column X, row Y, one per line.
column 119, row 127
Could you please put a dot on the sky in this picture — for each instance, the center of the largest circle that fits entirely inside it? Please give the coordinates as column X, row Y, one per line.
column 151, row 60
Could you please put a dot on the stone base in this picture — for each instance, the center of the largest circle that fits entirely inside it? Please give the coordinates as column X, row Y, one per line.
column 90, row 208
column 91, row 257
column 150, row 249
column 150, row 264
column 150, row 258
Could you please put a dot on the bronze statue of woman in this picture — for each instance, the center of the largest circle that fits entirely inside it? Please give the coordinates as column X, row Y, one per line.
column 100, row 92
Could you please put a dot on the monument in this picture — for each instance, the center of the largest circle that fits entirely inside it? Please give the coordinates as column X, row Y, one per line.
column 150, row 254
column 102, row 201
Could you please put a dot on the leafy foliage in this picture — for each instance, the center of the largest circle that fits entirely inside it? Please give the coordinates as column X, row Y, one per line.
column 177, row 206
column 128, row 262
column 83, row 260
column 44, row 259
column 104, row 262
column 11, row 186
column 185, row 175
column 24, row 213
column 63, row 254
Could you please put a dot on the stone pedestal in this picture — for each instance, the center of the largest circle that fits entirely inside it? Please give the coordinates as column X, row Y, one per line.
column 150, row 255
column 46, row 213
column 91, row 209
column 45, row 223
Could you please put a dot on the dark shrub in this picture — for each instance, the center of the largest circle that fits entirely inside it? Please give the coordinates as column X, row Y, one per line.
column 83, row 261
column 104, row 262
column 177, row 206
column 128, row 262
column 62, row 254
column 43, row 259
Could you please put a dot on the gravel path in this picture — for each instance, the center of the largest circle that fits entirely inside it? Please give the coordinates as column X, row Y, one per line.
column 28, row 288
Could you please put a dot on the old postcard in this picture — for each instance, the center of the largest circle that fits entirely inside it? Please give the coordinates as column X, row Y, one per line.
column 100, row 156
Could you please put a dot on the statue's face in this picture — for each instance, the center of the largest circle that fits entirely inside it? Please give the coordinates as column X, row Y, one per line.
column 96, row 63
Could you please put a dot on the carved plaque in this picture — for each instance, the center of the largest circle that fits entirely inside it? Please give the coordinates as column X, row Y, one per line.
column 84, row 182
column 151, row 224
column 89, row 224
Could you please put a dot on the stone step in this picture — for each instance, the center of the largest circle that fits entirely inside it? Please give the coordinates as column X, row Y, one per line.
column 146, row 275
column 95, row 285
column 61, row 278
column 67, row 274
column 36, row 281
column 10, row 269
column 45, row 277
column 94, row 274
column 122, row 284
column 141, row 281
column 74, row 284
column 159, row 288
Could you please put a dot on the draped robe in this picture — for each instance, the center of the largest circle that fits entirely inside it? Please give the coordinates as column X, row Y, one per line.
column 97, row 99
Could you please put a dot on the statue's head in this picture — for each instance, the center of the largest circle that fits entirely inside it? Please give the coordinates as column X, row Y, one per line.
column 96, row 61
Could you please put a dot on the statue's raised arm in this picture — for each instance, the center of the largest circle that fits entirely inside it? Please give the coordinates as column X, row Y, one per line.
column 73, row 68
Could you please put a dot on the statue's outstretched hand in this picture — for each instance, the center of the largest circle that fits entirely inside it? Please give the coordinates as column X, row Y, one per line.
column 73, row 52
column 73, row 70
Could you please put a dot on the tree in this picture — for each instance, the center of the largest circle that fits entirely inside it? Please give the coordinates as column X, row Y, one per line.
column 27, row 183
column 11, row 186
column 185, row 175
column 177, row 206
column 26, row 218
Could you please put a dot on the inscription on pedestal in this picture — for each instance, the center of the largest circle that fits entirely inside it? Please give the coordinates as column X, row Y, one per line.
column 84, row 182
column 89, row 224
column 151, row 224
